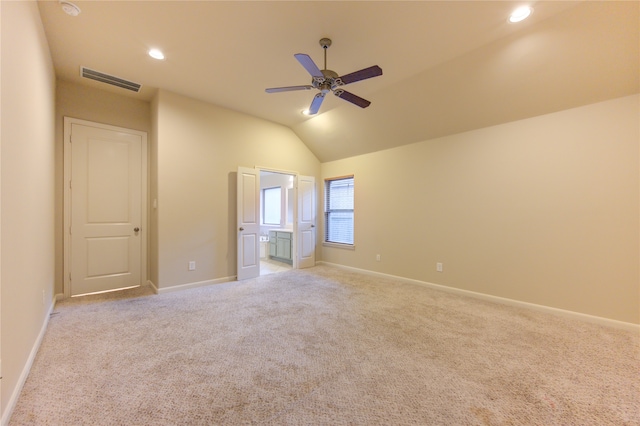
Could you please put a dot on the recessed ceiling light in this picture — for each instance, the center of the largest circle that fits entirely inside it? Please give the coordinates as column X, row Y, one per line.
column 70, row 8
column 306, row 112
column 156, row 54
column 520, row 14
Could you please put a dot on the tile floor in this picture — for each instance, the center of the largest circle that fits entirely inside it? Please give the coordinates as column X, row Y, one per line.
column 268, row 266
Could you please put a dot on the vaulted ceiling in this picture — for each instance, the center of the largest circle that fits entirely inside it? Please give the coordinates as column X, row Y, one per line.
column 448, row 66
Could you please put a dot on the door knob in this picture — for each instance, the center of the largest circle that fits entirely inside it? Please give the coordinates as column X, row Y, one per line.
column 241, row 228
column 313, row 226
column 136, row 229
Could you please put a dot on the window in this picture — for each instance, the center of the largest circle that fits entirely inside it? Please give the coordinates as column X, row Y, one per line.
column 271, row 205
column 338, row 211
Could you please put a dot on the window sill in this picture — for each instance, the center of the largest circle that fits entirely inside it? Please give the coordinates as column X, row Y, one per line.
column 339, row 245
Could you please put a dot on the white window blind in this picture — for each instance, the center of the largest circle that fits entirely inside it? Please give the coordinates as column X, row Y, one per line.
column 339, row 210
column 271, row 202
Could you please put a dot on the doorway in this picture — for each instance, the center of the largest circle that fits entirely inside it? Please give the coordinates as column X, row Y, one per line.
column 105, row 174
column 292, row 243
column 277, row 200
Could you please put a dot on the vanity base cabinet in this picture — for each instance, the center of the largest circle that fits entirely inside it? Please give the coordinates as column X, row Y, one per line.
column 280, row 246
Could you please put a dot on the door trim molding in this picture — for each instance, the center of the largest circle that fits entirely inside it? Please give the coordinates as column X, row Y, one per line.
column 294, row 228
column 66, row 269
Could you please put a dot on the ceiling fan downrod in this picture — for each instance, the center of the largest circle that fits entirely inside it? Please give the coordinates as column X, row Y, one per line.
column 325, row 43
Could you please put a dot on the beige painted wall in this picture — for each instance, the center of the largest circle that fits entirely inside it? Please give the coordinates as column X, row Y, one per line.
column 199, row 147
column 27, row 177
column 543, row 210
column 100, row 106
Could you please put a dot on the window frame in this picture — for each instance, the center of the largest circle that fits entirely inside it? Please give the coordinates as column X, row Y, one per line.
column 328, row 212
column 264, row 206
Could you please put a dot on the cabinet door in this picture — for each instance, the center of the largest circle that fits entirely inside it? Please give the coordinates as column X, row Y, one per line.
column 272, row 248
column 280, row 247
column 286, row 249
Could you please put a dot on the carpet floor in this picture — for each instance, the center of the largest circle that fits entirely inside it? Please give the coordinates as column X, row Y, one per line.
column 323, row 346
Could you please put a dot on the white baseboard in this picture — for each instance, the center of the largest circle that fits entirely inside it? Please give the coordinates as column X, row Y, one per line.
column 191, row 285
column 562, row 312
column 11, row 405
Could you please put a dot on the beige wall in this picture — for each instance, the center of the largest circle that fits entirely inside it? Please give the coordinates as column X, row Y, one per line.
column 100, row 106
column 199, row 148
column 543, row 210
column 27, row 177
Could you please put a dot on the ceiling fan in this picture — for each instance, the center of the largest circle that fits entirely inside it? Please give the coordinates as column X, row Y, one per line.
column 328, row 81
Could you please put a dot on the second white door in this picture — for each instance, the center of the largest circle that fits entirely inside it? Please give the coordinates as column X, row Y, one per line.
column 248, row 222
column 106, row 208
column 306, row 222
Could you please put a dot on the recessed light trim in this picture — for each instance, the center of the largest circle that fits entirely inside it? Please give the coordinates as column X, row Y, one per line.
column 156, row 54
column 520, row 14
column 69, row 8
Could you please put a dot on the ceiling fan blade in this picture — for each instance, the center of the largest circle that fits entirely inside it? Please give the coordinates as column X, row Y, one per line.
column 363, row 74
column 315, row 104
column 287, row 89
column 350, row 97
column 309, row 65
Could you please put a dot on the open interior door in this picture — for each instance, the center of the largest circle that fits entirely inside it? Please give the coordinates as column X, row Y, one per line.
column 306, row 246
column 248, row 223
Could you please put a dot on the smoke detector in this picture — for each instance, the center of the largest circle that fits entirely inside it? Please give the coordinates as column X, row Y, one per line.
column 70, row 8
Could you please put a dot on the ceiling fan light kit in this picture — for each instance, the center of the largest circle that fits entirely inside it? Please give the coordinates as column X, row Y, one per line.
column 327, row 80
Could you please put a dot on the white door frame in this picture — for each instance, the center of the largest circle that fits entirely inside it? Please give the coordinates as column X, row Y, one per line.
column 68, row 121
column 295, row 247
column 294, row 242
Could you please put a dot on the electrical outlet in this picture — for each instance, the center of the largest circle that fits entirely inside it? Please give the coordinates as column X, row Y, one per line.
column 439, row 267
column 378, row 257
column 192, row 265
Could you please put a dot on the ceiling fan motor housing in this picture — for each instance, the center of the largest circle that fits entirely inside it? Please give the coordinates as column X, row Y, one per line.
column 329, row 82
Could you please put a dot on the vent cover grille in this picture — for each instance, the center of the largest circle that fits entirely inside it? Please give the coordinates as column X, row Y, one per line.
column 109, row 79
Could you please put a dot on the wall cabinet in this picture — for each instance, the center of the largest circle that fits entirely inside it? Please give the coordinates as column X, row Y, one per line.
column 280, row 246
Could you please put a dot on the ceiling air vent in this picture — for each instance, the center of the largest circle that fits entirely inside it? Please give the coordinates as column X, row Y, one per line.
column 109, row 79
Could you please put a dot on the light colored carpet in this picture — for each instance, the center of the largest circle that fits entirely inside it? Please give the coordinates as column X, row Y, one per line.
column 324, row 346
